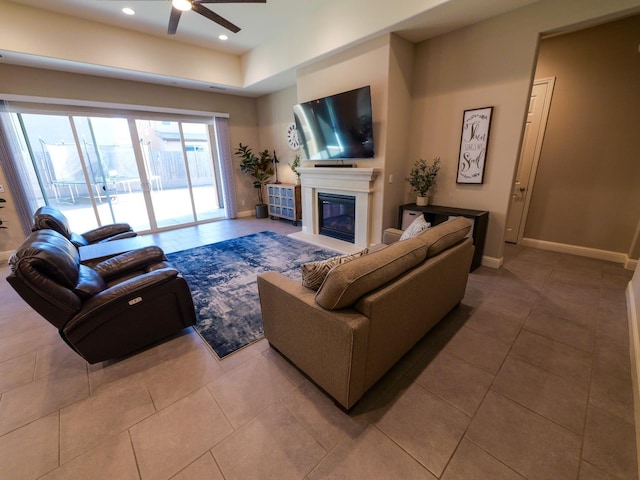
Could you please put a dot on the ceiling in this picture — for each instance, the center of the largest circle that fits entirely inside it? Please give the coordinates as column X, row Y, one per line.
column 261, row 24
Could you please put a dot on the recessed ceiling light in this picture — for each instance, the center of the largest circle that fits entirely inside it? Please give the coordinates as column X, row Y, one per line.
column 223, row 37
column 128, row 11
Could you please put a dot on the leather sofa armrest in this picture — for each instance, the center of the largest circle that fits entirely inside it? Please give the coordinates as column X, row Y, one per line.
column 122, row 292
column 134, row 260
column 391, row 235
column 106, row 231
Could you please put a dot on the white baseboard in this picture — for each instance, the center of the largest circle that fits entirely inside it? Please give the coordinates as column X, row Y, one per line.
column 606, row 255
column 634, row 348
column 492, row 262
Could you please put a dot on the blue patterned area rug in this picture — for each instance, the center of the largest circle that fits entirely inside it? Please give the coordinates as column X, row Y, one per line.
column 222, row 278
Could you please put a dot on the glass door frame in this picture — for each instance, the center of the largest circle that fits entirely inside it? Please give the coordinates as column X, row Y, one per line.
column 72, row 115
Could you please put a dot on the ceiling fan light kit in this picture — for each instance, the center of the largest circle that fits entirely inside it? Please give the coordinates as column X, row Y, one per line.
column 179, row 6
column 182, row 5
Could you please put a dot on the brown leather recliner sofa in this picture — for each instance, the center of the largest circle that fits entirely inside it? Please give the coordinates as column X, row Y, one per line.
column 110, row 310
column 48, row 217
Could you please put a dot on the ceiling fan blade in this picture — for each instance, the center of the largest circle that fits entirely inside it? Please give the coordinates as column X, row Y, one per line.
column 173, row 20
column 205, row 12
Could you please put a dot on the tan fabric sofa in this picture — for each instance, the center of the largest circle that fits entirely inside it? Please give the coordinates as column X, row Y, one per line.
column 368, row 312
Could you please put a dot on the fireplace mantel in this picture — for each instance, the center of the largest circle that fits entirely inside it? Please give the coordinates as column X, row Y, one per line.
column 357, row 182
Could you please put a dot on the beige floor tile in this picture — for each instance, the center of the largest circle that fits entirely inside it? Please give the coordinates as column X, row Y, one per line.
column 101, row 374
column 562, row 330
column 30, row 451
column 204, row 468
column 176, row 436
column 242, row 356
column 470, row 462
column 273, row 445
column 317, row 412
column 41, row 397
column 514, row 301
column 243, row 392
column 528, row 443
column 368, row 456
column 547, row 394
column 456, row 381
column 478, row 349
column 284, row 366
column 53, row 358
column 114, row 459
column 498, row 325
column 101, row 416
column 609, row 444
column 425, row 426
column 9, row 325
column 180, row 344
column 589, row 472
column 558, row 290
column 29, row 341
column 559, row 358
column 173, row 379
column 17, row 371
column 582, row 315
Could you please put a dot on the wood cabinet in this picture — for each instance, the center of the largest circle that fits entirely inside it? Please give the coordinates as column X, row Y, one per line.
column 284, row 201
column 436, row 214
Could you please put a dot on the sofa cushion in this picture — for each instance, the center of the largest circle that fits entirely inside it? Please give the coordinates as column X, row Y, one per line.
column 444, row 235
column 418, row 226
column 346, row 283
column 314, row 273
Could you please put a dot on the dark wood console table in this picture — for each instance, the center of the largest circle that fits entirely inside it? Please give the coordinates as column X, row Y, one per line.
column 436, row 214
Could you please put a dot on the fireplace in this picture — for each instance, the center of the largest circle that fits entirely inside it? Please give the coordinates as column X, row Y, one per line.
column 337, row 216
column 354, row 183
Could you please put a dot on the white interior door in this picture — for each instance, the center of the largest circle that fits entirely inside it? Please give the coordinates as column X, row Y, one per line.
column 539, row 104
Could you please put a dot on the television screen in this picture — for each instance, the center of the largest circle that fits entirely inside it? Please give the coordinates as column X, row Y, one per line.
column 336, row 127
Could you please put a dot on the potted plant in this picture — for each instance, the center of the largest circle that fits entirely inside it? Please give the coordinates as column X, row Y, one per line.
column 260, row 168
column 294, row 167
column 422, row 177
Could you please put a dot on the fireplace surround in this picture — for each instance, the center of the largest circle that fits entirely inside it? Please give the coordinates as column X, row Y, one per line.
column 353, row 182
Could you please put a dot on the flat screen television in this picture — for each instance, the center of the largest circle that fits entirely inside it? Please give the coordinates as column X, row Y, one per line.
column 336, row 127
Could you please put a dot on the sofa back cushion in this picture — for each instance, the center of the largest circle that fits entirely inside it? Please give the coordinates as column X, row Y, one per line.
column 444, row 235
column 346, row 283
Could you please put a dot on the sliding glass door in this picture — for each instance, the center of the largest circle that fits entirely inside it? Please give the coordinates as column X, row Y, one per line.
column 152, row 174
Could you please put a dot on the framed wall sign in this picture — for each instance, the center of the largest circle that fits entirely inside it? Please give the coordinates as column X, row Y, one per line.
column 474, row 140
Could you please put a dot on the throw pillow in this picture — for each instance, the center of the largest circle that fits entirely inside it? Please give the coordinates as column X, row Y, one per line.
column 314, row 273
column 418, row 226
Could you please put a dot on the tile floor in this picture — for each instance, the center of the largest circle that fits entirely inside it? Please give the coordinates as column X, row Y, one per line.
column 528, row 378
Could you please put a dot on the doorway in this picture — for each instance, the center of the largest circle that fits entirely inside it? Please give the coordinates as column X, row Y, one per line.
column 537, row 114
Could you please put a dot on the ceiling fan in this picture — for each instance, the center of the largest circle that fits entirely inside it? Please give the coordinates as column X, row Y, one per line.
column 179, row 6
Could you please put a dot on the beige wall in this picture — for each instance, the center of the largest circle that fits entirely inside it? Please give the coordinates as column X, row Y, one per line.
column 586, row 189
column 366, row 64
column 392, row 94
column 47, row 34
column 401, row 64
column 488, row 64
column 243, row 113
column 275, row 113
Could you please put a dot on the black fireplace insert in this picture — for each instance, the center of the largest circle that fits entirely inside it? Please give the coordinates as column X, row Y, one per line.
column 337, row 216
